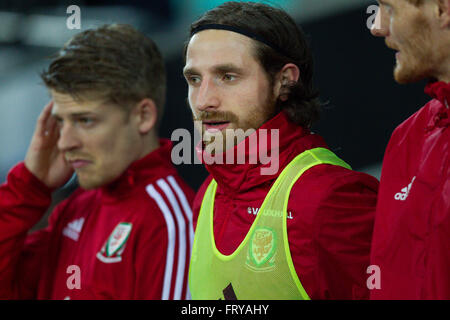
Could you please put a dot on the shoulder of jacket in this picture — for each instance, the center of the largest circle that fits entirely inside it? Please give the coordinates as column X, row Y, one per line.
column 421, row 115
column 326, row 179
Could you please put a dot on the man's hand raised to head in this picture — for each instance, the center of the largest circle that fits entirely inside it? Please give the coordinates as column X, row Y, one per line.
column 43, row 158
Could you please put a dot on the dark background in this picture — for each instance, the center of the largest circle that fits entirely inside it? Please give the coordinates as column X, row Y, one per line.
column 353, row 71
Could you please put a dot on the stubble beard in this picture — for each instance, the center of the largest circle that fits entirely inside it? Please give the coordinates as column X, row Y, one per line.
column 418, row 57
column 248, row 125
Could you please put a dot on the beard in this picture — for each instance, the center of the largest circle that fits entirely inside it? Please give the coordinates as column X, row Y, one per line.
column 239, row 127
column 417, row 58
column 413, row 67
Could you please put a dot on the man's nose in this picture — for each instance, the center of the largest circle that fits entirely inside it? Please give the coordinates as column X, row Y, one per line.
column 208, row 95
column 381, row 26
column 68, row 138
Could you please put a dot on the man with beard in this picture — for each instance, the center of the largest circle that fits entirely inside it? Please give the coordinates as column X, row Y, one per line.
column 125, row 234
column 302, row 231
column 411, row 241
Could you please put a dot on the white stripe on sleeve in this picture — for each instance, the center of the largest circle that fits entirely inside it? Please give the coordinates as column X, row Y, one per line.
column 188, row 211
column 168, row 216
column 181, row 237
column 185, row 205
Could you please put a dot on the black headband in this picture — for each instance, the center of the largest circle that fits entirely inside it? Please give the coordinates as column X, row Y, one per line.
column 244, row 32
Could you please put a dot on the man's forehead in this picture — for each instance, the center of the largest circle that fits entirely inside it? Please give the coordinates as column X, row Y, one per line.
column 65, row 103
column 208, row 40
column 220, row 35
column 219, row 45
column 61, row 97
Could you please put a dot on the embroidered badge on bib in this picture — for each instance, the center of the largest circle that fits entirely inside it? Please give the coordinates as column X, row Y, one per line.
column 261, row 250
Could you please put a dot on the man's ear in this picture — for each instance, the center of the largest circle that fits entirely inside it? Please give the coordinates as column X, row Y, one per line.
column 146, row 114
column 288, row 74
column 444, row 13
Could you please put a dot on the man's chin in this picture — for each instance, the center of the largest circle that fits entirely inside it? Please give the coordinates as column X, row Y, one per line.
column 88, row 184
column 402, row 76
column 217, row 148
column 412, row 70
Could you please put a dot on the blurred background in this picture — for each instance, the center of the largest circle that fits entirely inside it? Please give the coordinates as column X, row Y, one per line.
column 353, row 70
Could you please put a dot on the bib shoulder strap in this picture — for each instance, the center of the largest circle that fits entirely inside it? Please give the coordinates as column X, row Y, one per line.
column 300, row 164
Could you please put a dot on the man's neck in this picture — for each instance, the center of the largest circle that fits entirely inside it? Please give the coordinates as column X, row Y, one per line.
column 444, row 72
column 150, row 145
column 444, row 76
column 445, row 79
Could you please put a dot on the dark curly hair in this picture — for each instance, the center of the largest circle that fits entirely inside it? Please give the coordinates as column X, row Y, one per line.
column 278, row 28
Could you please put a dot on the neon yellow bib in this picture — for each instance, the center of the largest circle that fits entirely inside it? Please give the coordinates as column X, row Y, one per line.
column 261, row 267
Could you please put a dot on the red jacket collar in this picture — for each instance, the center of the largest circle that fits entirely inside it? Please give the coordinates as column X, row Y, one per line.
column 293, row 140
column 441, row 115
column 143, row 170
column 439, row 90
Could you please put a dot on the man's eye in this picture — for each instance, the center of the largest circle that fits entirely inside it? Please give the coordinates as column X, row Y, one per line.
column 193, row 79
column 85, row 121
column 229, row 77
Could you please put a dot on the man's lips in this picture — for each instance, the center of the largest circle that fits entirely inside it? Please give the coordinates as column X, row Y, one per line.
column 215, row 125
column 397, row 51
column 79, row 163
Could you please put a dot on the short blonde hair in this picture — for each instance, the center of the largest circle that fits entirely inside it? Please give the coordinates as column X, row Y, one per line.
column 115, row 63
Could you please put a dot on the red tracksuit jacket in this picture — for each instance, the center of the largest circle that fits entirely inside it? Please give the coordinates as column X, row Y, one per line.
column 89, row 236
column 330, row 215
column 411, row 240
